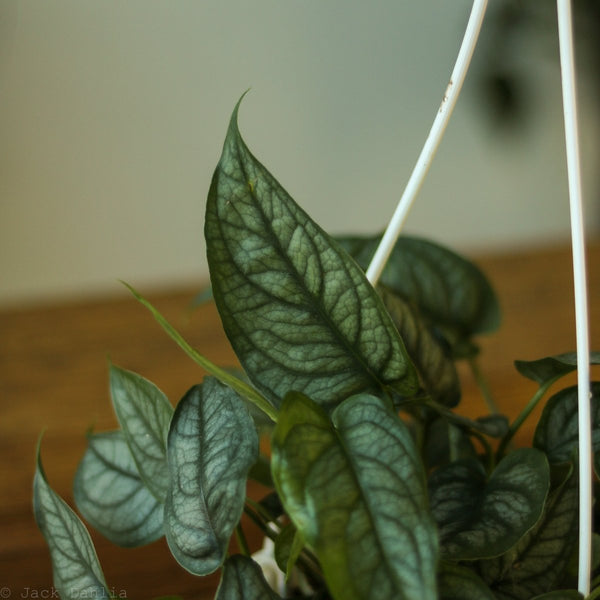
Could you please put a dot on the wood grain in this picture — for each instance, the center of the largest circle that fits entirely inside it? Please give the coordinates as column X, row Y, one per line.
column 53, row 379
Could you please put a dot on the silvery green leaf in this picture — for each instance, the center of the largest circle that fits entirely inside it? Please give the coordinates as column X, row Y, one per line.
column 450, row 291
column 557, row 430
column 75, row 567
column 243, row 580
column 536, row 564
column 110, row 494
column 298, row 310
column 144, row 414
column 481, row 518
column 431, row 359
column 354, row 486
column 544, row 370
column 211, row 446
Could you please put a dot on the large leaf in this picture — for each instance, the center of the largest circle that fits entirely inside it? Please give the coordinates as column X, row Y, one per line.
column 557, row 430
column 243, row 580
column 75, row 567
column 549, row 368
column 460, row 583
column 448, row 289
column 144, row 414
column 430, row 357
column 298, row 311
column 480, row 518
column 355, row 488
column 212, row 445
column 110, row 494
column 537, row 563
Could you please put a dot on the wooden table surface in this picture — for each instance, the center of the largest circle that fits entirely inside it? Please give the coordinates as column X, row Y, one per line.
column 53, row 378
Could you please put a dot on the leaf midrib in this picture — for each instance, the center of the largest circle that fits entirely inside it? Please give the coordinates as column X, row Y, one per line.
column 365, row 499
column 320, row 312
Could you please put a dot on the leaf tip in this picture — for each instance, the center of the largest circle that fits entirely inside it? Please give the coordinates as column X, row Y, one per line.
column 38, row 453
column 130, row 288
column 233, row 123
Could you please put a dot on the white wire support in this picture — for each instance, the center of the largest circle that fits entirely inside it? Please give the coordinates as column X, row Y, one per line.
column 567, row 67
column 431, row 143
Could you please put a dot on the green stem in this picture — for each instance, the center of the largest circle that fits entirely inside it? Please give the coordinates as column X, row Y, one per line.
column 242, row 541
column 489, row 454
column 241, row 387
column 307, row 561
column 483, row 385
column 516, row 424
column 261, row 511
column 259, row 522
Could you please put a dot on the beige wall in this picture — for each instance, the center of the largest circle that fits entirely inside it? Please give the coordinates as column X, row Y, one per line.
column 113, row 113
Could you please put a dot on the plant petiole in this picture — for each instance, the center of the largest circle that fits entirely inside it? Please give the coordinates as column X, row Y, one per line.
column 241, row 387
column 516, row 424
column 490, row 461
column 483, row 385
column 242, row 541
column 258, row 519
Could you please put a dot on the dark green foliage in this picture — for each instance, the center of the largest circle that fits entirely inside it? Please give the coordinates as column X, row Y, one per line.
column 376, row 488
column 450, row 293
column 471, row 509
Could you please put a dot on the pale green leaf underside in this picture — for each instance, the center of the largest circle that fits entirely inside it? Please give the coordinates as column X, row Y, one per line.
column 356, row 492
column 75, row 567
column 111, row 496
column 297, row 309
column 535, row 564
column 212, row 444
column 478, row 518
column 144, row 414
column 243, row 580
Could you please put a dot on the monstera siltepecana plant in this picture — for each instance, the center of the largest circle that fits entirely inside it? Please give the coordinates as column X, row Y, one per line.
column 380, row 490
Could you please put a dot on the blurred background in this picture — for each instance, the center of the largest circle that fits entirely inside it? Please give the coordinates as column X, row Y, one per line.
column 113, row 115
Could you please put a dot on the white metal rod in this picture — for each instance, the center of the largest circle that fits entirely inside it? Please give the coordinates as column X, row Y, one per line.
column 431, row 144
column 567, row 66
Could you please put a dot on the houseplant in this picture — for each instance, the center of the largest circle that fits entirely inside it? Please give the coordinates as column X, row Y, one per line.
column 380, row 490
